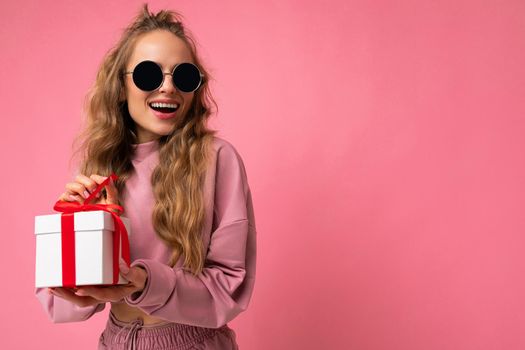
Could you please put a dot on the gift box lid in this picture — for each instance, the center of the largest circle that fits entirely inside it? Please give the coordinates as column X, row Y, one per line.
column 84, row 221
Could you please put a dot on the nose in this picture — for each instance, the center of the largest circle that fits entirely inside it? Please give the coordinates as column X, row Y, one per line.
column 167, row 85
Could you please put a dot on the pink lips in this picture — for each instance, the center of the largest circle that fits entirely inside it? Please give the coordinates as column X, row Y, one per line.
column 161, row 115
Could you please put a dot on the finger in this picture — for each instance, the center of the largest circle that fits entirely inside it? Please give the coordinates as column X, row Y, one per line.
column 110, row 293
column 67, row 197
column 77, row 189
column 72, row 193
column 68, row 295
column 111, row 189
column 88, row 184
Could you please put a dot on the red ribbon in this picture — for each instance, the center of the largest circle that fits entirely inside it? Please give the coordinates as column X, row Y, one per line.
column 120, row 235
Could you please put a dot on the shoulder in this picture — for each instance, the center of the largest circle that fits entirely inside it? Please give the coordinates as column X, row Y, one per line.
column 229, row 164
column 222, row 145
column 226, row 152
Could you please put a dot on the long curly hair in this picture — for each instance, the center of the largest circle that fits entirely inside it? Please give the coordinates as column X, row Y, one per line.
column 184, row 155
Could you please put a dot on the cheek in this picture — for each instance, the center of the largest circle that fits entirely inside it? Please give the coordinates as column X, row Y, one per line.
column 188, row 100
column 136, row 103
column 134, row 95
column 138, row 113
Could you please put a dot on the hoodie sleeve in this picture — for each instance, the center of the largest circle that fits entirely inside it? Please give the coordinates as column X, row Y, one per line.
column 224, row 288
column 61, row 311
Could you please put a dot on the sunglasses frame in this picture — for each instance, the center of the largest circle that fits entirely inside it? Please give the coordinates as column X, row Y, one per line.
column 164, row 76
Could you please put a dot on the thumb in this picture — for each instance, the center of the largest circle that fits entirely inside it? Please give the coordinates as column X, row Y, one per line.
column 124, row 268
column 111, row 192
column 136, row 275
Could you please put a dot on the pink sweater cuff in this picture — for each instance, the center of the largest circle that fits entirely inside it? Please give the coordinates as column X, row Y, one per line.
column 158, row 288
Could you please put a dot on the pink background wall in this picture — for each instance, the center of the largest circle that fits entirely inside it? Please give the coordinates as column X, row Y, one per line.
column 384, row 145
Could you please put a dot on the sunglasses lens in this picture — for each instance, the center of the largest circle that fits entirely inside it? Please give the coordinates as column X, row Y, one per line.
column 187, row 77
column 147, row 76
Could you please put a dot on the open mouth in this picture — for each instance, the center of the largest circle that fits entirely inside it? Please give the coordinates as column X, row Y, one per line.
column 164, row 107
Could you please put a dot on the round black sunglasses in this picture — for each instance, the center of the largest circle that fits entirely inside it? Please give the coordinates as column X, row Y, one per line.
column 148, row 76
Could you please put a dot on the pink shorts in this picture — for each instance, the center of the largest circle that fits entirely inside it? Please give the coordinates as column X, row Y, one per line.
column 120, row 335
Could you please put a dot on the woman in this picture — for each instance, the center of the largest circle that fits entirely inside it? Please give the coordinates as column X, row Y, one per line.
column 185, row 191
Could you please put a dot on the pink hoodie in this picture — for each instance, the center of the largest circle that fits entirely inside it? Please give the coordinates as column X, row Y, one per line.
column 224, row 288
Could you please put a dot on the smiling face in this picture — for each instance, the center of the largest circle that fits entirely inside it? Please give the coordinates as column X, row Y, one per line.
column 167, row 50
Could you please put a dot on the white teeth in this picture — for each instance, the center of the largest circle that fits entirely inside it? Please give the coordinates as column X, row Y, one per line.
column 165, row 105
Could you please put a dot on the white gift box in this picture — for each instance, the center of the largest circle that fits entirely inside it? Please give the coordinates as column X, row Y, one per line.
column 93, row 248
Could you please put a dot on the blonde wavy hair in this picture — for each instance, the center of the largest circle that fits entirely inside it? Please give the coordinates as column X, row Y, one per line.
column 184, row 155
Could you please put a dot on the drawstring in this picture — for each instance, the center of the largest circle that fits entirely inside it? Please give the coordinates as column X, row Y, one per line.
column 136, row 325
column 131, row 337
column 182, row 336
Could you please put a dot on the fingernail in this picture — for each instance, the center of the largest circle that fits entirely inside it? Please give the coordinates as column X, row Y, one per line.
column 86, row 194
column 80, row 292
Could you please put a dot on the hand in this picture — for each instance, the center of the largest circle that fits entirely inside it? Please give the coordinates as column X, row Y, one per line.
column 92, row 295
column 69, row 295
column 83, row 186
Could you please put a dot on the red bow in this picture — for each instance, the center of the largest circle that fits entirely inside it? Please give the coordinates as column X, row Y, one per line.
column 120, row 235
